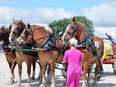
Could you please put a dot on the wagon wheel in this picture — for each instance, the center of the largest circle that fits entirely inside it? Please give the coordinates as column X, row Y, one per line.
column 99, row 74
column 63, row 70
column 63, row 73
column 61, row 66
column 114, row 66
column 114, row 72
column 93, row 72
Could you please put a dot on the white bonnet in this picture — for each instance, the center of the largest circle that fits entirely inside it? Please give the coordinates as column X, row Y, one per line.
column 73, row 41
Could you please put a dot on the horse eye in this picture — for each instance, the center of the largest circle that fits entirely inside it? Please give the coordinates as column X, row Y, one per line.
column 72, row 27
column 25, row 32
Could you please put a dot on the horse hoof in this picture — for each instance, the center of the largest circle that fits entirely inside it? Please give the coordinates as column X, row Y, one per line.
column 84, row 85
column 18, row 85
column 52, row 86
column 39, row 78
column 33, row 78
column 42, row 85
column 48, row 82
column 28, row 85
column 94, row 84
column 10, row 82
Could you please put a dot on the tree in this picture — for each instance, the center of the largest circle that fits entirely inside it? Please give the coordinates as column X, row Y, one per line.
column 60, row 25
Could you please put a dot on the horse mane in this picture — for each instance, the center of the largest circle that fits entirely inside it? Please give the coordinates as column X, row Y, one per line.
column 48, row 29
column 81, row 25
column 34, row 27
column 3, row 27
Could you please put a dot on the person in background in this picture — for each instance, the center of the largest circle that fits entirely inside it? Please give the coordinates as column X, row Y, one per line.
column 74, row 57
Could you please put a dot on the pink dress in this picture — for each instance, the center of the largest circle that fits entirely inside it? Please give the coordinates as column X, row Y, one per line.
column 74, row 57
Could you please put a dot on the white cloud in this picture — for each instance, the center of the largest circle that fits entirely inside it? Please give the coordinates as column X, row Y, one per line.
column 100, row 31
column 34, row 15
column 104, row 14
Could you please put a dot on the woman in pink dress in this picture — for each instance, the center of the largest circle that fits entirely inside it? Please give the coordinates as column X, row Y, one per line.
column 74, row 57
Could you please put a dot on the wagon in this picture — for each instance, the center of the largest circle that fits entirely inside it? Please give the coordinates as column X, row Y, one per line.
column 112, row 57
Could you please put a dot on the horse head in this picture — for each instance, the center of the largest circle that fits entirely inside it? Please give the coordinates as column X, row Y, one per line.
column 74, row 29
column 16, row 29
column 3, row 31
column 25, row 36
column 4, row 34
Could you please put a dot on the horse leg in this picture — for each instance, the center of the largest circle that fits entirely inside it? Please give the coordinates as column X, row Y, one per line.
column 43, row 75
column 10, row 82
column 88, row 79
column 20, row 72
column 33, row 73
column 96, row 72
column 29, row 72
column 86, row 66
column 40, row 73
column 11, row 66
column 48, row 74
column 40, row 76
column 52, row 71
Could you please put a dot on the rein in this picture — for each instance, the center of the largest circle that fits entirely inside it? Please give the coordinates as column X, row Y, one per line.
column 41, row 38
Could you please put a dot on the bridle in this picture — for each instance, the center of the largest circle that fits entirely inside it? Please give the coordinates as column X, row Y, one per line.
column 74, row 29
column 19, row 30
column 27, row 32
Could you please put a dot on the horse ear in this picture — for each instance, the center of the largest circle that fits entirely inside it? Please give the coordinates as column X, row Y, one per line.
column 74, row 19
column 3, row 27
column 10, row 26
column 13, row 21
column 71, row 19
column 21, row 20
column 29, row 26
column 6, row 29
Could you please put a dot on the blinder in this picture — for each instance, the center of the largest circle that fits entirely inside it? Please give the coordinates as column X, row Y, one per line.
column 74, row 29
column 27, row 32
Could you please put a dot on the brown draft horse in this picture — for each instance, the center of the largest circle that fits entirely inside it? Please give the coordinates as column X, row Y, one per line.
column 77, row 30
column 50, row 56
column 16, row 29
column 10, row 57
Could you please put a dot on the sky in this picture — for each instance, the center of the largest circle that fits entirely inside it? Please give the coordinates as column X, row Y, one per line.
column 101, row 12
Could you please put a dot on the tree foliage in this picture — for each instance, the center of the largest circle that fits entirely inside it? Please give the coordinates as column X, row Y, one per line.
column 60, row 25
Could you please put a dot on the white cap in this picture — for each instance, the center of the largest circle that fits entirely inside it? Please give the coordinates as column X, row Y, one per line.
column 73, row 41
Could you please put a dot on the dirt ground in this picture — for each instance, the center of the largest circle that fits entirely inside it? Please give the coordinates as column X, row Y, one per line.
column 107, row 80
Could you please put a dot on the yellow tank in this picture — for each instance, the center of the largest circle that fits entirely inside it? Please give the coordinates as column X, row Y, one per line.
column 108, row 52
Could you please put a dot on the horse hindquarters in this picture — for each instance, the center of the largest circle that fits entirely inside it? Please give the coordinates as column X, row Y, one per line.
column 86, row 57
